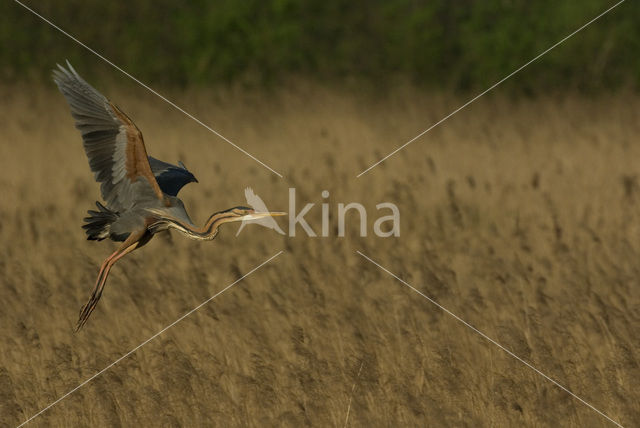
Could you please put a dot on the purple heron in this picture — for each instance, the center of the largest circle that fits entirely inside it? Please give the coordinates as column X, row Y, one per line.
column 139, row 192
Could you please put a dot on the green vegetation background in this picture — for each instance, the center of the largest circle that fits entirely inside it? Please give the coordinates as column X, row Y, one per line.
column 457, row 44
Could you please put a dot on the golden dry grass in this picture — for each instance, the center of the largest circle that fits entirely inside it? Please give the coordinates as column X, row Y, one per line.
column 519, row 216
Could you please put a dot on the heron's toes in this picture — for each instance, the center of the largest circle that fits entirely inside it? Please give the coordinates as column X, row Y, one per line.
column 86, row 311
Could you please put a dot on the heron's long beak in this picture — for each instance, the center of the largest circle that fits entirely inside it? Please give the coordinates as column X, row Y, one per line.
column 258, row 215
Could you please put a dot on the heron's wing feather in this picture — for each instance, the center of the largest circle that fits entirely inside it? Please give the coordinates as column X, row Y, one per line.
column 158, row 166
column 112, row 142
column 170, row 178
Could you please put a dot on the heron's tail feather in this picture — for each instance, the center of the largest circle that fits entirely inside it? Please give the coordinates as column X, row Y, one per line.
column 98, row 225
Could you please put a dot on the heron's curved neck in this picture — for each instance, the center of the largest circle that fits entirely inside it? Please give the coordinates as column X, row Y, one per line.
column 204, row 233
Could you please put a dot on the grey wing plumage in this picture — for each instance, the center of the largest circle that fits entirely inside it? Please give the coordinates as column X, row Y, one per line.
column 111, row 141
column 171, row 178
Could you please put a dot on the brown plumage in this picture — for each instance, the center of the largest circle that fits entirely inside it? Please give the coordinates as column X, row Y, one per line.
column 137, row 160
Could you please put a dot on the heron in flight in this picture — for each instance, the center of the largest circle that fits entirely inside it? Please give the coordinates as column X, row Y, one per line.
column 139, row 192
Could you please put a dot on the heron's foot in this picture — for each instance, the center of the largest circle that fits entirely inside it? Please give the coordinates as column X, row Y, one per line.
column 86, row 311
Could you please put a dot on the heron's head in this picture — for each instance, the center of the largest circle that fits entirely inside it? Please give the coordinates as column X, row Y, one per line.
column 246, row 213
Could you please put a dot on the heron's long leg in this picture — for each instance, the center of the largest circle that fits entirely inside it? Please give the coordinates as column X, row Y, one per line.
column 130, row 244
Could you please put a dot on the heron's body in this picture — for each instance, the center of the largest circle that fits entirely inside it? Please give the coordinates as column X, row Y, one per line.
column 142, row 215
column 140, row 192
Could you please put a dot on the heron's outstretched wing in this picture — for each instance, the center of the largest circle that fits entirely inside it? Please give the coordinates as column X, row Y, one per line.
column 112, row 143
column 170, row 178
